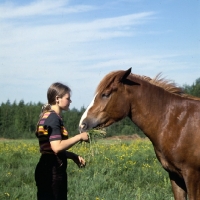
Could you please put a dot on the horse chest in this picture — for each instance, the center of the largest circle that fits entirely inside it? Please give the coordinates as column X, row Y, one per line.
column 166, row 162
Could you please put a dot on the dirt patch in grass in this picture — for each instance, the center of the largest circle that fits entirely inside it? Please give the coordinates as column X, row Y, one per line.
column 124, row 137
column 3, row 139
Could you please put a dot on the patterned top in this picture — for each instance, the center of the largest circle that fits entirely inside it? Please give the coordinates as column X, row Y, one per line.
column 50, row 128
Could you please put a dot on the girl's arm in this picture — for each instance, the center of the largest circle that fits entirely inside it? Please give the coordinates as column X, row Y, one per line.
column 60, row 145
column 76, row 158
column 71, row 155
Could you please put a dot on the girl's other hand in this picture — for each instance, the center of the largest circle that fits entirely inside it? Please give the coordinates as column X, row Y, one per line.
column 79, row 161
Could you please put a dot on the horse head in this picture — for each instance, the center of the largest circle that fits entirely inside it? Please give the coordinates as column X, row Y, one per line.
column 110, row 103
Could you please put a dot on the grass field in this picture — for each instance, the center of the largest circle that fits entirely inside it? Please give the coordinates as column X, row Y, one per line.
column 115, row 170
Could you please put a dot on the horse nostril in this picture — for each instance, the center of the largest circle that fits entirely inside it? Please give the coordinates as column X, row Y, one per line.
column 83, row 127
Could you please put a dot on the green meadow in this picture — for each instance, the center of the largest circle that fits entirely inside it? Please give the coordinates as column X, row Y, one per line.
column 115, row 170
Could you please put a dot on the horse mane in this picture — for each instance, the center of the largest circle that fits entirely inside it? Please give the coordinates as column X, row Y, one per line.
column 159, row 81
column 166, row 84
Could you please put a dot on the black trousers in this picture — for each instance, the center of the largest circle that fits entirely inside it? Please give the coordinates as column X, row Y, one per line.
column 51, row 177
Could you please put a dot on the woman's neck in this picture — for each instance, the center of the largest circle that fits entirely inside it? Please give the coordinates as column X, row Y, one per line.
column 56, row 108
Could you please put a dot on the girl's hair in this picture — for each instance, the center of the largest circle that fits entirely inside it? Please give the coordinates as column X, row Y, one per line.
column 56, row 89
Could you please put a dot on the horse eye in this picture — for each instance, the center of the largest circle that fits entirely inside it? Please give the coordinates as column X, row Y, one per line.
column 105, row 95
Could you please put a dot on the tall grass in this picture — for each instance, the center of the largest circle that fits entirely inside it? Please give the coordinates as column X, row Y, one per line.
column 114, row 171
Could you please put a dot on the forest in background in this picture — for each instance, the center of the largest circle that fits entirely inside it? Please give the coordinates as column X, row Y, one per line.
column 18, row 120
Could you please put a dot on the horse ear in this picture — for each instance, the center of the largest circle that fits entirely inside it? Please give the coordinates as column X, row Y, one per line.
column 126, row 81
column 127, row 72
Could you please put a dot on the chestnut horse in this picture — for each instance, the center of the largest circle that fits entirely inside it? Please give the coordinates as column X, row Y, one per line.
column 167, row 116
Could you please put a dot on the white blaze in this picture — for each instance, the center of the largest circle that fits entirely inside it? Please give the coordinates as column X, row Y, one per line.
column 86, row 111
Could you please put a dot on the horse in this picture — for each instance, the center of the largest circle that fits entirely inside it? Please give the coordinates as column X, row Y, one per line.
column 166, row 115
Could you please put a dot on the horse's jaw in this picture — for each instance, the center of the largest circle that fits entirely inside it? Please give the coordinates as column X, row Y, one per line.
column 90, row 122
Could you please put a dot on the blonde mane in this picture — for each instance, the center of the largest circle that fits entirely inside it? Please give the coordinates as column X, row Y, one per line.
column 167, row 85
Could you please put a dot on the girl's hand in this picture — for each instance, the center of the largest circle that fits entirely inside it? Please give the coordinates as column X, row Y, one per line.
column 79, row 161
column 82, row 161
column 84, row 136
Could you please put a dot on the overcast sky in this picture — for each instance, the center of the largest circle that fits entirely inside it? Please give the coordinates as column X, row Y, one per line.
column 78, row 42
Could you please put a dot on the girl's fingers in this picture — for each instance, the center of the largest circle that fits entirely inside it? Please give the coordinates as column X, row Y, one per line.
column 81, row 160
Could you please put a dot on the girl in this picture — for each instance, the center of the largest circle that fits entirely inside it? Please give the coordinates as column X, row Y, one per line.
column 50, row 172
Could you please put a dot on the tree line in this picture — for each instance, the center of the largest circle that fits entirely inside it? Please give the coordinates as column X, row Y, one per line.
column 18, row 120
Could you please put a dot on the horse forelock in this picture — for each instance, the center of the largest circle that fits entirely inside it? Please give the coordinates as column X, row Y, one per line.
column 106, row 81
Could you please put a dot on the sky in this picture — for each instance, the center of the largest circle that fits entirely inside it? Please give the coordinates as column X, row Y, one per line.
column 78, row 42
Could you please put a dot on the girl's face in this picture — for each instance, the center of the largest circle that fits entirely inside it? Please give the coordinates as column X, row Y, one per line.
column 64, row 102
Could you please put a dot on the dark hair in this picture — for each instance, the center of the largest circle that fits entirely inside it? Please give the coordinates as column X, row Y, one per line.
column 56, row 89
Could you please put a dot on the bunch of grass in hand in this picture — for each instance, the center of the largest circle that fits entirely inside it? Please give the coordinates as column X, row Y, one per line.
column 94, row 134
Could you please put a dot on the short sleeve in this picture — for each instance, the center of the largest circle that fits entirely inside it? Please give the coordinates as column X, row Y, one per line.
column 53, row 124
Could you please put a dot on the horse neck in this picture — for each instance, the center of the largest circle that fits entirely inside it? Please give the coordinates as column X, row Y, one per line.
column 149, row 105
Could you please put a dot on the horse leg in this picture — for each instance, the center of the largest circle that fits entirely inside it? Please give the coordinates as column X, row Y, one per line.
column 178, row 187
column 192, row 181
